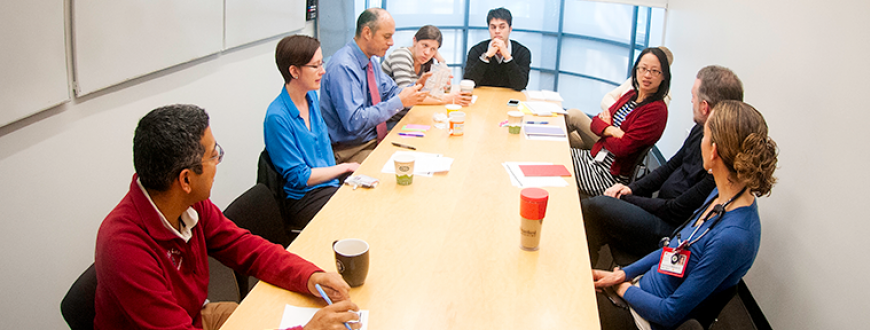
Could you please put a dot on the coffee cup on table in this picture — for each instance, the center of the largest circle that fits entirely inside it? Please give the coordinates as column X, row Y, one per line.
column 515, row 121
column 451, row 108
column 466, row 87
column 352, row 260
column 404, row 169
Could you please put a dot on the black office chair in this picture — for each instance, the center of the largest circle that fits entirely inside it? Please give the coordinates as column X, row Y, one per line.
column 269, row 176
column 77, row 307
column 691, row 324
column 623, row 258
column 640, row 167
column 258, row 211
column 707, row 312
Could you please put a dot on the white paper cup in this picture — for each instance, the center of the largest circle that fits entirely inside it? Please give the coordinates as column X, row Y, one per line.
column 404, row 169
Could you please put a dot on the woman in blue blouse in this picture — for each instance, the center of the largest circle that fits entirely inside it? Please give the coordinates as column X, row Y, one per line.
column 296, row 136
column 714, row 249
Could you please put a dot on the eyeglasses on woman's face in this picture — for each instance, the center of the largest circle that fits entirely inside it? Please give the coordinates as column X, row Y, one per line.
column 642, row 70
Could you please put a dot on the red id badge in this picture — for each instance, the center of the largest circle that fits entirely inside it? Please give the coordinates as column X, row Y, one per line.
column 674, row 263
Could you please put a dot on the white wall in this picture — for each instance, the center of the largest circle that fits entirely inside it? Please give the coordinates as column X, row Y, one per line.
column 62, row 171
column 804, row 66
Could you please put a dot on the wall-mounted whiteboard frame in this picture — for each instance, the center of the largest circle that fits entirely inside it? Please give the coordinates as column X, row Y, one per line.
column 33, row 61
column 252, row 20
column 115, row 41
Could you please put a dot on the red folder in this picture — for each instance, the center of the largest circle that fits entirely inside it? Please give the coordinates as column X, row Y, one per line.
column 544, row 170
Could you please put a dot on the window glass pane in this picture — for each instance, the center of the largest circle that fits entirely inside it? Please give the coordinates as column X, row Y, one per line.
column 539, row 80
column 642, row 19
column 534, row 80
column 540, row 46
column 475, row 36
column 451, row 47
column 547, row 82
column 402, row 38
column 600, row 20
column 358, row 7
column 593, row 58
column 657, row 27
column 441, row 13
column 541, row 15
column 581, row 93
column 457, row 75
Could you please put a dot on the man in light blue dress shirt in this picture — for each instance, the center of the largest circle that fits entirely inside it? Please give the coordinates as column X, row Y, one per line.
column 350, row 114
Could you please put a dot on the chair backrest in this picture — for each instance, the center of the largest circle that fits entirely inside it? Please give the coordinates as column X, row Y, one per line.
column 258, row 211
column 639, row 169
column 708, row 310
column 268, row 175
column 77, row 307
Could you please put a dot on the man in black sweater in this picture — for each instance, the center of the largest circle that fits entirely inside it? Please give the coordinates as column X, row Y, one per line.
column 499, row 61
column 628, row 218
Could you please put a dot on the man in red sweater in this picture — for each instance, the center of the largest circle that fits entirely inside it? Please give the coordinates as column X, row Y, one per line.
column 151, row 253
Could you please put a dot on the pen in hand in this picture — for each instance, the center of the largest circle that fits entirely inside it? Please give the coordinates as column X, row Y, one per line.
column 328, row 301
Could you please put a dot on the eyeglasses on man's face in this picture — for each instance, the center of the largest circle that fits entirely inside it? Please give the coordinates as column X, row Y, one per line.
column 220, row 155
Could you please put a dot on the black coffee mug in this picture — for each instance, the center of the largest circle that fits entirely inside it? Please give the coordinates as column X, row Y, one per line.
column 352, row 260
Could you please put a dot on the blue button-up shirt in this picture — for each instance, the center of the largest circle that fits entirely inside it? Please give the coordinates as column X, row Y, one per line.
column 295, row 149
column 347, row 105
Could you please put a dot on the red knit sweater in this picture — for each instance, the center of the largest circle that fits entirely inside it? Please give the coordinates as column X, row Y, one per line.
column 643, row 127
column 149, row 278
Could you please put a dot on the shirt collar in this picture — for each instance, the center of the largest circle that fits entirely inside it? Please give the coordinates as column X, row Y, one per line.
column 361, row 57
column 291, row 107
column 189, row 217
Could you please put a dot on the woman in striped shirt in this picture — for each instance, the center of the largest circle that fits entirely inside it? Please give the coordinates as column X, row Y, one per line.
column 407, row 64
column 632, row 124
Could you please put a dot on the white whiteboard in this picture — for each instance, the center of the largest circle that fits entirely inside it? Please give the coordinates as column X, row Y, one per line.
column 33, row 73
column 115, row 41
column 251, row 20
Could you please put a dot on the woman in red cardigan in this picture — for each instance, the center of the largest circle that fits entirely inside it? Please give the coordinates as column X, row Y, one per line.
column 633, row 123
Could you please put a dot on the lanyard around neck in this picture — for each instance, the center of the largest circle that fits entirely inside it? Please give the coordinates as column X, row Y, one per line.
column 718, row 209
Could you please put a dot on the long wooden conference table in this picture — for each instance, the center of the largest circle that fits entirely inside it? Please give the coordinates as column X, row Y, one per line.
column 445, row 251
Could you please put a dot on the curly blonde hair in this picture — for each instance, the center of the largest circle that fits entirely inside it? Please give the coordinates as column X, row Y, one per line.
column 740, row 134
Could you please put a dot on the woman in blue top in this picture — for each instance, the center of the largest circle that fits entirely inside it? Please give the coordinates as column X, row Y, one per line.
column 296, row 136
column 714, row 249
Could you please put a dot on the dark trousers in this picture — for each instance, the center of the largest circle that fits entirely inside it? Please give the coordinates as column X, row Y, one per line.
column 611, row 316
column 622, row 225
column 298, row 212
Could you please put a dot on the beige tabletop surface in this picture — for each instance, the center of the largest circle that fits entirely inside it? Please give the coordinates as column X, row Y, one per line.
column 445, row 250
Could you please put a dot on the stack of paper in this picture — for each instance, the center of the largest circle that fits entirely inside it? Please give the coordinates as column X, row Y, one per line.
column 544, row 109
column 520, row 179
column 544, row 132
column 425, row 164
column 543, row 95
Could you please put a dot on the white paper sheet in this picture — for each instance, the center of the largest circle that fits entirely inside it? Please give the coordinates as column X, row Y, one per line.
column 425, row 164
column 543, row 95
column 294, row 316
column 545, row 108
column 519, row 179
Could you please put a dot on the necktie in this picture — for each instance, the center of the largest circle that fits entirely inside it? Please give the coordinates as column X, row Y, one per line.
column 376, row 98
